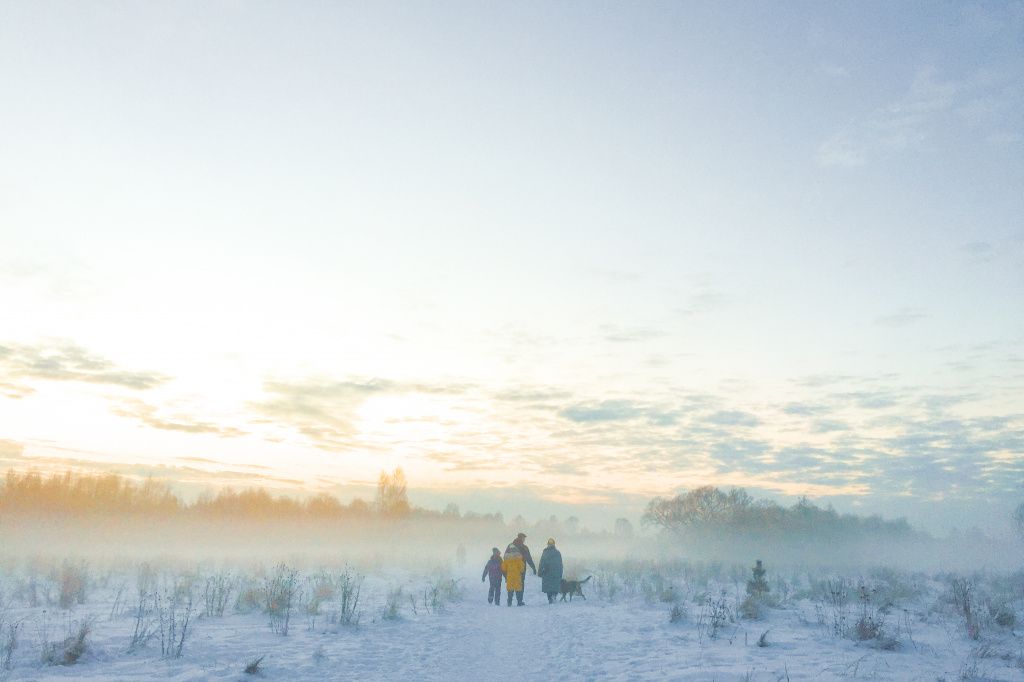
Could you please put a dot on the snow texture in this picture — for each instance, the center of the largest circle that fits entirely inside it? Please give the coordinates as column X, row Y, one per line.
column 622, row 631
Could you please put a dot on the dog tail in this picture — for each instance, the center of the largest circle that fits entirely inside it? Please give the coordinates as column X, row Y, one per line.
column 586, row 579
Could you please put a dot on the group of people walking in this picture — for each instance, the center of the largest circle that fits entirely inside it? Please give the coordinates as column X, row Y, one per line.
column 512, row 567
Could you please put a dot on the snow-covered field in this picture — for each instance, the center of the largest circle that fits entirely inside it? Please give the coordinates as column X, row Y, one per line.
column 436, row 624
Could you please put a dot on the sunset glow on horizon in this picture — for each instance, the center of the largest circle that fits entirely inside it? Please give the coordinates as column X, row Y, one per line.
column 547, row 258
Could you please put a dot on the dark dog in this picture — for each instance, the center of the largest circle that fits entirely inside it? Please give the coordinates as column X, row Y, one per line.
column 573, row 588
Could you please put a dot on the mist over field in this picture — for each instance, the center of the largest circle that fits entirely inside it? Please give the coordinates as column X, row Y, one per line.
column 248, row 583
column 102, row 517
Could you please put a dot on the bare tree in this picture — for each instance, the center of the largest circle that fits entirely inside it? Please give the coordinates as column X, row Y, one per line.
column 392, row 497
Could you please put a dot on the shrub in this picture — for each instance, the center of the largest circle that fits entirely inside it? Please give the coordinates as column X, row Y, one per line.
column 279, row 593
column 870, row 625
column 391, row 605
column 1002, row 614
column 606, row 585
column 833, row 606
column 320, row 588
column 677, row 614
column 71, row 583
column 963, row 592
column 71, row 649
column 757, row 586
column 714, row 615
column 752, row 608
column 8, row 637
column 870, row 620
column 145, row 622
column 250, row 597
column 348, row 587
column 217, row 593
column 173, row 606
column 253, row 666
column 440, row 593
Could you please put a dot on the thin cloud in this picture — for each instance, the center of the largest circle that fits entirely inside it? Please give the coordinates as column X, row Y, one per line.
column 616, row 411
column 733, row 418
column 531, row 395
column 805, row 409
column 829, row 426
column 66, row 362
column 15, row 391
column 10, row 451
column 979, row 251
column 323, row 410
column 901, row 318
column 618, row 334
column 702, row 301
column 150, row 416
column 921, row 113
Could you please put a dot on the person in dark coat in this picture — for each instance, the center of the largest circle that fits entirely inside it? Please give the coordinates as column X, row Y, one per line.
column 492, row 570
column 550, row 571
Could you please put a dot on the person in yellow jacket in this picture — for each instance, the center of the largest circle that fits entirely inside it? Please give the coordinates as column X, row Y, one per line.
column 513, row 567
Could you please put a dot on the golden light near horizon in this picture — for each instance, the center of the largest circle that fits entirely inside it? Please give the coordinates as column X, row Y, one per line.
column 558, row 277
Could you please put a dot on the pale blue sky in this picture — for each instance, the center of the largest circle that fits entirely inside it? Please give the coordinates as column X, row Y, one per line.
column 596, row 252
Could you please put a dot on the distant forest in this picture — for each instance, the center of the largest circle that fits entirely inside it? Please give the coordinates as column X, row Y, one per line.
column 32, row 493
column 108, row 514
column 707, row 513
column 700, row 514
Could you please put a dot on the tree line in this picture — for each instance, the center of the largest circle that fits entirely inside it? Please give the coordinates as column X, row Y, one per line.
column 710, row 512
column 32, row 493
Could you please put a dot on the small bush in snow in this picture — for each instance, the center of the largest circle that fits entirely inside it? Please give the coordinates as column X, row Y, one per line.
column 757, row 585
column 1002, row 614
column 71, row 583
column 253, row 666
column 217, row 593
column 391, row 605
column 870, row 620
column 963, row 594
column 441, row 592
column 606, row 585
column 320, row 588
column 144, row 622
column 8, row 637
column 715, row 614
column 279, row 593
column 174, row 609
column 752, row 608
column 348, row 585
column 250, row 597
column 71, row 649
column 677, row 614
column 833, row 606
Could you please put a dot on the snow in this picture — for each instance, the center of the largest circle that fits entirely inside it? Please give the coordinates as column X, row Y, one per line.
column 614, row 634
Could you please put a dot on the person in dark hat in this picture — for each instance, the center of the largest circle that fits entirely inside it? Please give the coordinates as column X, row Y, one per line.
column 524, row 551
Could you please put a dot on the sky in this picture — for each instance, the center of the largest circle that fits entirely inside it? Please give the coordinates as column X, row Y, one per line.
column 549, row 258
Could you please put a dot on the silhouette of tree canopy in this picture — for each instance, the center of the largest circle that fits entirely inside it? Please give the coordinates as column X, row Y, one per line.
column 708, row 510
column 83, row 494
